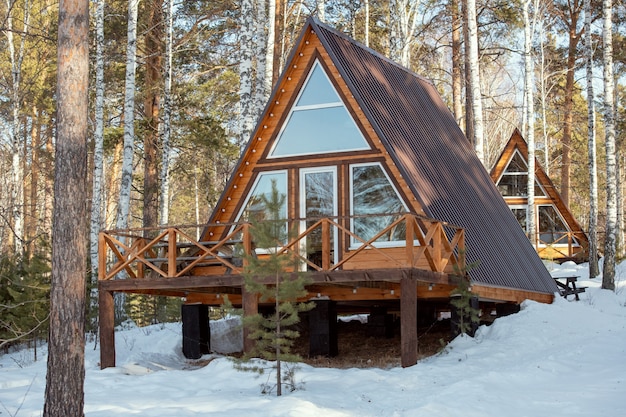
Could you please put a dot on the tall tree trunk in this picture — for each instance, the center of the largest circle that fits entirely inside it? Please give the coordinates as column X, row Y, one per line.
column 16, row 57
column 153, row 84
column 366, row 24
column 469, row 110
column 569, row 17
column 98, row 151
column 66, row 349
column 403, row 16
column 474, row 80
column 123, row 209
column 457, row 62
column 320, row 9
column 246, row 102
column 530, row 122
column 261, row 42
column 279, row 39
column 544, row 118
column 594, row 270
column 33, row 216
column 608, row 270
column 167, row 113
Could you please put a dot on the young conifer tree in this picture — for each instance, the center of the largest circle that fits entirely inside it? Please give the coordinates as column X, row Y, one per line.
column 275, row 276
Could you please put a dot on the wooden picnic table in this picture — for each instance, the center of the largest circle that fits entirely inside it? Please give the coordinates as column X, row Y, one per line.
column 569, row 286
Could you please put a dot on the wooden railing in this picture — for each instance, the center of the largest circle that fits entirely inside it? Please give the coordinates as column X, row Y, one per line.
column 567, row 245
column 174, row 251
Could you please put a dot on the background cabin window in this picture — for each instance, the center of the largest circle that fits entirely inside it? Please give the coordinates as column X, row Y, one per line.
column 373, row 195
column 254, row 208
column 552, row 229
column 514, row 180
column 319, row 122
column 521, row 216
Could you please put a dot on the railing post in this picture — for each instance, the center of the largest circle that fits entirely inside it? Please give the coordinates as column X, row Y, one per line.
column 171, row 252
column 410, row 238
column 325, row 245
column 247, row 243
column 106, row 311
column 437, row 246
column 102, row 256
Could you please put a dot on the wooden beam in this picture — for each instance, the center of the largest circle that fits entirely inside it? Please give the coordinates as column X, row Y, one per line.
column 408, row 321
column 235, row 280
column 250, row 304
column 509, row 294
column 107, row 328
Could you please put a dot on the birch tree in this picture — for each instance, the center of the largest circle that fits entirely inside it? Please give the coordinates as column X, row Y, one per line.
column 403, row 24
column 530, row 119
column 608, row 270
column 16, row 56
column 594, row 271
column 246, row 104
column 66, row 347
column 98, row 137
column 457, row 61
column 474, row 79
column 123, row 209
column 167, row 113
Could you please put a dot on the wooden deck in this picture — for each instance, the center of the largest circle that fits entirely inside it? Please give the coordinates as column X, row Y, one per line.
column 345, row 267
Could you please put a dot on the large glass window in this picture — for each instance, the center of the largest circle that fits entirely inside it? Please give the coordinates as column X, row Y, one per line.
column 318, row 122
column 373, row 196
column 552, row 229
column 255, row 208
column 514, row 180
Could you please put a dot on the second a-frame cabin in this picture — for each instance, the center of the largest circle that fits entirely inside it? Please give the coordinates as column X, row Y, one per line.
column 559, row 237
column 389, row 201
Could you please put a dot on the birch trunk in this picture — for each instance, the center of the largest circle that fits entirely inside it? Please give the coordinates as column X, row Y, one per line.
column 66, row 349
column 474, row 80
column 594, row 270
column 367, row 23
column 98, row 137
column 123, row 209
column 17, row 169
column 320, row 9
column 167, row 114
column 608, row 271
column 260, row 43
column 457, row 62
column 403, row 25
column 530, row 121
column 246, row 103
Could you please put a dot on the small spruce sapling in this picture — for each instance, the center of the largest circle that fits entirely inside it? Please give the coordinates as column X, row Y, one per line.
column 467, row 315
column 275, row 277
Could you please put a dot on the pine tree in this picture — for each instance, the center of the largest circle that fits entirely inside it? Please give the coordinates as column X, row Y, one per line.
column 274, row 277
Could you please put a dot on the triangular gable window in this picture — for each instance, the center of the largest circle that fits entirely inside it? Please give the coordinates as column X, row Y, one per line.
column 514, row 180
column 319, row 122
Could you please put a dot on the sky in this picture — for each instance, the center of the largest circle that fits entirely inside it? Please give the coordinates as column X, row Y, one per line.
column 563, row 359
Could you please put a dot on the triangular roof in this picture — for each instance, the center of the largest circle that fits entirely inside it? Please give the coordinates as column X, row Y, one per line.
column 406, row 122
column 517, row 145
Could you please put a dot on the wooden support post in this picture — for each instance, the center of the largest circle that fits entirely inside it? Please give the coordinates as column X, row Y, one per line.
column 107, row 328
column 323, row 339
column 196, row 331
column 408, row 320
column 250, row 305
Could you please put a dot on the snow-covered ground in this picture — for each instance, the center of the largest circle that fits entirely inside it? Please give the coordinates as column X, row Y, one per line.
column 564, row 359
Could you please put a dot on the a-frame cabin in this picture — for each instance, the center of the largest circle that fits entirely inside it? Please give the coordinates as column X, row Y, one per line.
column 388, row 197
column 559, row 236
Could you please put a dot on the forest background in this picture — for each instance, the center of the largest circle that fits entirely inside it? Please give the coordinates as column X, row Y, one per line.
column 176, row 88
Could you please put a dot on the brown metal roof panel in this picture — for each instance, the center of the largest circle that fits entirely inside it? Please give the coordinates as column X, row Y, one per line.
column 430, row 149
